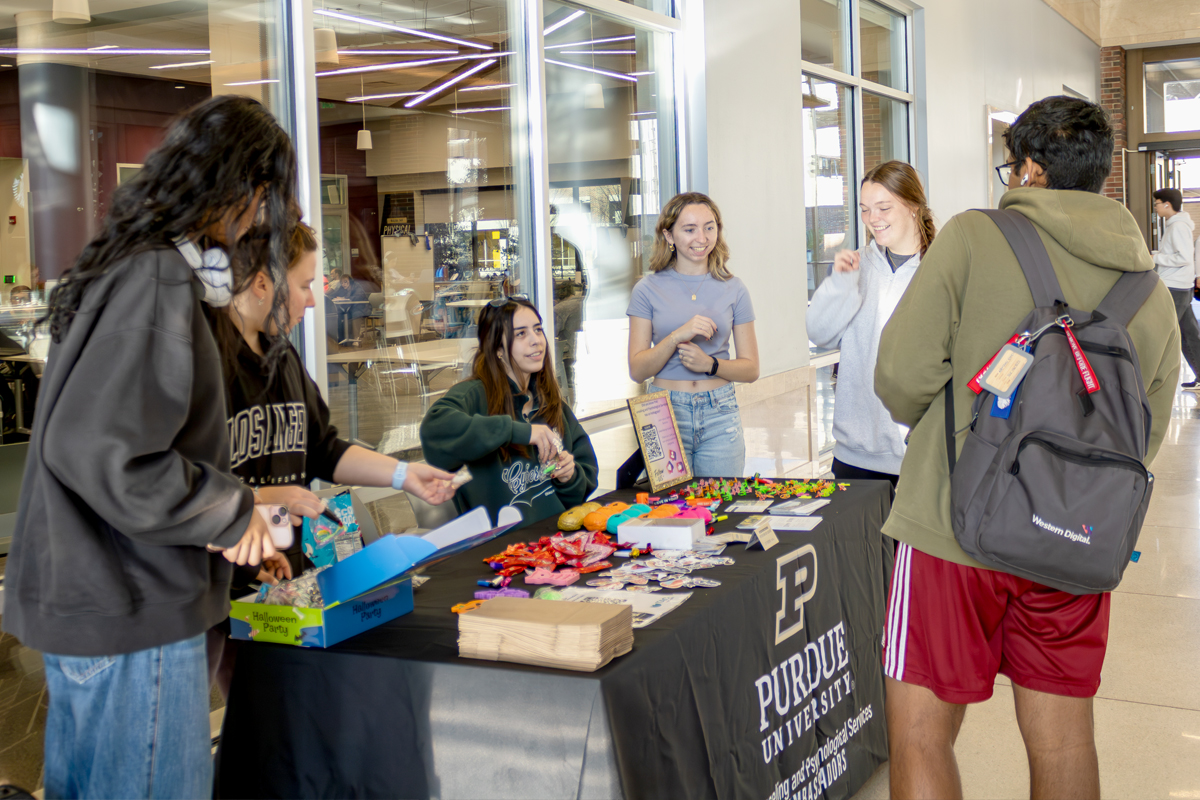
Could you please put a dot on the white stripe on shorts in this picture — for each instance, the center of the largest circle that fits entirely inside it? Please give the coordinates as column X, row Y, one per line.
column 896, row 636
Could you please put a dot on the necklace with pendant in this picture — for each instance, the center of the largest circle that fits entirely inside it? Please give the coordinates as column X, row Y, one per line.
column 695, row 284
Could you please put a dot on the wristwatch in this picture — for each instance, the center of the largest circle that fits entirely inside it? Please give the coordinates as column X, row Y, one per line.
column 713, row 371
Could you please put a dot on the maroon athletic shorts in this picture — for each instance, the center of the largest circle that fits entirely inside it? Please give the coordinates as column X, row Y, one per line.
column 951, row 628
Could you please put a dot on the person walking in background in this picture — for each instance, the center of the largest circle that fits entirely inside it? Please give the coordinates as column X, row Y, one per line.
column 681, row 319
column 568, row 322
column 850, row 309
column 953, row 624
column 1175, row 260
column 129, row 520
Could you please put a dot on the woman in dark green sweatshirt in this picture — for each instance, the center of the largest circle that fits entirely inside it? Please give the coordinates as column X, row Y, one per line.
column 509, row 425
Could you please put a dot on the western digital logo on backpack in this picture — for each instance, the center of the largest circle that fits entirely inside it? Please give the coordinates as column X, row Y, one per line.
column 1066, row 534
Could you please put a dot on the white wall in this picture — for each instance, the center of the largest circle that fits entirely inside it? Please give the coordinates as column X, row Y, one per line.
column 752, row 93
column 1003, row 53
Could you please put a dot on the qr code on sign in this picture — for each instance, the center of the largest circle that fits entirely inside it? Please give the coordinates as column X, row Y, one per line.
column 650, row 439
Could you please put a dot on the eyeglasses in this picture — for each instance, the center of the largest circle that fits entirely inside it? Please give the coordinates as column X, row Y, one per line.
column 501, row 302
column 1005, row 171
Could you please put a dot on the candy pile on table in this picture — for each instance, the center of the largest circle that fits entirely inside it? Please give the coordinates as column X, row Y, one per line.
column 726, row 489
column 582, row 552
column 670, row 569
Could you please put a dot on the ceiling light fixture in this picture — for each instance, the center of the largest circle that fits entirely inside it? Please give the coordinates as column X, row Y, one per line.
column 364, row 136
column 184, row 65
column 364, row 98
column 397, row 52
column 591, row 41
column 488, row 86
column 79, row 51
column 447, row 84
column 564, row 21
column 254, row 83
column 104, row 47
column 478, row 110
column 326, row 47
column 599, row 52
column 593, row 93
column 607, row 73
column 403, row 64
column 71, row 12
column 424, row 34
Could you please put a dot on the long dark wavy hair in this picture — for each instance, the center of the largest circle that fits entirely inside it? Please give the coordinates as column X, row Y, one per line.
column 496, row 334
column 207, row 170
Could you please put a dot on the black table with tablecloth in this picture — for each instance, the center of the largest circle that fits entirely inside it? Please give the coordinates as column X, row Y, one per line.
column 768, row 686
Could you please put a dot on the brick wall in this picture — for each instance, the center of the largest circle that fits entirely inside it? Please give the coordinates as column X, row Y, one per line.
column 1112, row 97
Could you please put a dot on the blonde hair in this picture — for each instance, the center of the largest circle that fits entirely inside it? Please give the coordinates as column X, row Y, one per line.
column 303, row 240
column 663, row 256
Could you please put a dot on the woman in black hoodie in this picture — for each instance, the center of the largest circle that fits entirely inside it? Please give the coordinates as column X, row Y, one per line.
column 279, row 430
column 127, row 497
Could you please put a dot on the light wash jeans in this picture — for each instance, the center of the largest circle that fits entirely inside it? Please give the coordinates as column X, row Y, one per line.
column 710, row 425
column 129, row 726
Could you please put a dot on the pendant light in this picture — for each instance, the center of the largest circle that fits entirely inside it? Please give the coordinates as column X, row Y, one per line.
column 593, row 93
column 71, row 12
column 326, row 47
column 364, row 136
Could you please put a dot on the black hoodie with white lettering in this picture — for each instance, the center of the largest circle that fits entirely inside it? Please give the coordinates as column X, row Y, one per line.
column 279, row 433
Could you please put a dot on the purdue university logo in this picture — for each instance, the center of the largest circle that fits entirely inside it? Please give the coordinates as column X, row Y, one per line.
column 796, row 578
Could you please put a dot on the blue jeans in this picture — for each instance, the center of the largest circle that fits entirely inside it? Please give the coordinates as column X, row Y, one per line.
column 711, row 428
column 133, row 725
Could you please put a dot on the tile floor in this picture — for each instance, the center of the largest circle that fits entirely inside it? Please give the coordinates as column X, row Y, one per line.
column 1147, row 711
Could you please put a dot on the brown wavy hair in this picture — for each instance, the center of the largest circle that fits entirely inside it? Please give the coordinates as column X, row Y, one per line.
column 303, row 240
column 903, row 181
column 663, row 257
column 496, row 333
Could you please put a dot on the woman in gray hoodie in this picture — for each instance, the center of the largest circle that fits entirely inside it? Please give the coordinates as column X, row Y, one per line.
column 853, row 304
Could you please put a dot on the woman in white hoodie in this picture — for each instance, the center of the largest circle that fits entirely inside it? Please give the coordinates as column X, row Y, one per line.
column 853, row 304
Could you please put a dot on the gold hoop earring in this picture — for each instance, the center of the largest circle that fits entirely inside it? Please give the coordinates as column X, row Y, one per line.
column 672, row 246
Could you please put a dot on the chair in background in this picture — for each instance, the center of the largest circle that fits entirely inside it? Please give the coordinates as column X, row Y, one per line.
column 402, row 316
column 374, row 323
column 429, row 516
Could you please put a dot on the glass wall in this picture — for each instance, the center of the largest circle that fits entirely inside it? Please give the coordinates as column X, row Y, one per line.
column 610, row 132
column 1172, row 96
column 83, row 98
column 421, row 215
column 829, row 182
column 857, row 115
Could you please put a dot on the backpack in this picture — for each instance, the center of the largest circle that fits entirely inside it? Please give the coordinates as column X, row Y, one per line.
column 1051, row 486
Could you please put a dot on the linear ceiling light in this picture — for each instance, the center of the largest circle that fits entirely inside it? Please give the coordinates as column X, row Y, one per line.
column 366, row 97
column 591, row 41
column 254, row 83
column 478, row 110
column 489, row 86
column 425, row 34
column 79, row 51
column 184, row 65
column 565, row 20
column 607, row 73
column 105, row 47
column 397, row 52
column 402, row 64
column 599, row 52
column 446, row 85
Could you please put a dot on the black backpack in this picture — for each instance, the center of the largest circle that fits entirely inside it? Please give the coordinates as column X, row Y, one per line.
column 1051, row 486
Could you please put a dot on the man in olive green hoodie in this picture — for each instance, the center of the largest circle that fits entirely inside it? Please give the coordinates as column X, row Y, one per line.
column 952, row 624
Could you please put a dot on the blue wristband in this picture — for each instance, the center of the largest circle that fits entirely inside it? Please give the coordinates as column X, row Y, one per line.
column 399, row 475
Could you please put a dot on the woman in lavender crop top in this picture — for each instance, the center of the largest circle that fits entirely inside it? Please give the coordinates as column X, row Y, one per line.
column 681, row 318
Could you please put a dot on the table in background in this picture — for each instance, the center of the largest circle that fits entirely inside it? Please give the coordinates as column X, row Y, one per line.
column 395, row 712
column 425, row 357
